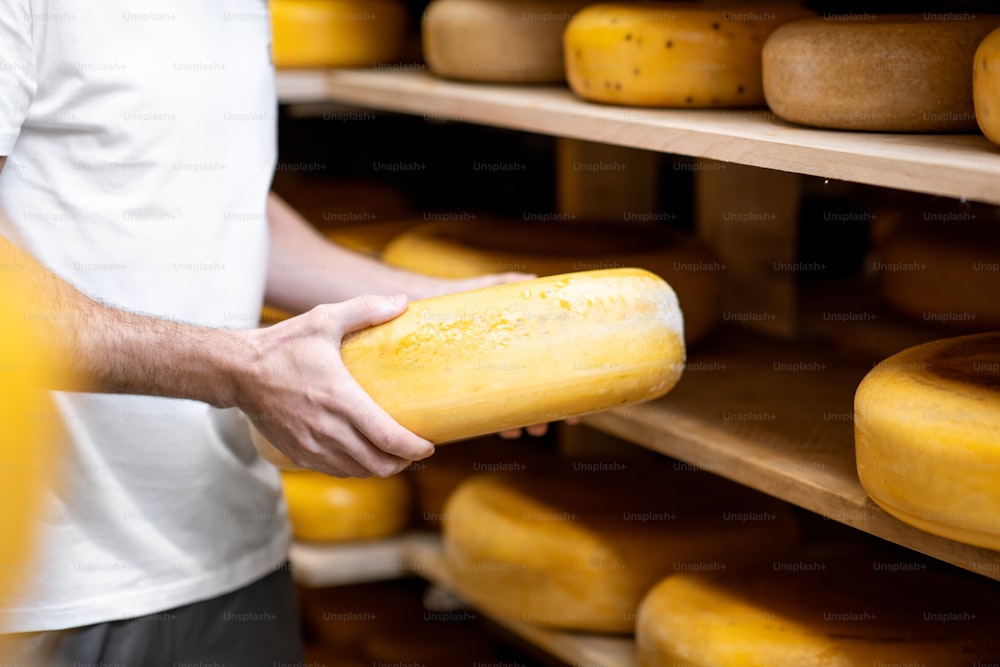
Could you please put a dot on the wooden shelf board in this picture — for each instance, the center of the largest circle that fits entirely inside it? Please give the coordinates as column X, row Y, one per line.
column 965, row 165
column 778, row 417
column 581, row 650
column 319, row 565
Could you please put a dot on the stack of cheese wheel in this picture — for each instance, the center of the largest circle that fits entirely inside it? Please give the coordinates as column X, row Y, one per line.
column 330, row 509
column 459, row 250
column 939, row 263
column 888, row 73
column 336, row 33
column 478, row 362
column 435, row 478
column 497, row 41
column 927, row 432
column 807, row 612
column 986, row 86
column 671, row 54
column 579, row 546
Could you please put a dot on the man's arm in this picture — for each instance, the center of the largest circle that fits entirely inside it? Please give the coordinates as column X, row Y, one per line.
column 288, row 378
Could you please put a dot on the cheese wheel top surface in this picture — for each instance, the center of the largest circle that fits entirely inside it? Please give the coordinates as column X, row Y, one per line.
column 890, row 72
column 671, row 54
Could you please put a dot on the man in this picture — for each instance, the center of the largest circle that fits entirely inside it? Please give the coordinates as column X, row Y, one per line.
column 138, row 143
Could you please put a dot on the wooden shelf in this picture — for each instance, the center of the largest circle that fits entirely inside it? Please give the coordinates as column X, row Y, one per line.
column 778, row 417
column 319, row 565
column 578, row 649
column 961, row 166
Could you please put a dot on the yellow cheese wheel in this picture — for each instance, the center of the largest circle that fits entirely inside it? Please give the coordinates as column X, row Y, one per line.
column 461, row 249
column 944, row 269
column 927, row 432
column 329, row 509
column 336, row 33
column 28, row 456
column 889, row 73
column 468, row 364
column 508, row 41
column 577, row 548
column 671, row 54
column 986, row 86
column 818, row 613
column 368, row 239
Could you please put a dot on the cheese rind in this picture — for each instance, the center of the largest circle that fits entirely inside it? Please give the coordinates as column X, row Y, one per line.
column 461, row 249
column 986, row 86
column 473, row 363
column 927, row 437
column 498, row 41
column 336, row 33
column 330, row 509
column 816, row 612
column 886, row 73
column 578, row 549
column 671, row 54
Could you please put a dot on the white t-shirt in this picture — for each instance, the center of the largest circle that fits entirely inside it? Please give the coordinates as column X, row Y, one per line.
column 141, row 144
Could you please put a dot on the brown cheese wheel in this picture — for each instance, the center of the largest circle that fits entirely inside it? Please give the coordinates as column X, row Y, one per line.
column 887, row 73
column 507, row 41
column 808, row 612
column 462, row 249
column 577, row 548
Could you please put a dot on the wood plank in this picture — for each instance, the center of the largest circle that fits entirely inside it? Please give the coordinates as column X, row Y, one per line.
column 962, row 166
column 319, row 565
column 578, row 649
column 778, row 417
column 604, row 182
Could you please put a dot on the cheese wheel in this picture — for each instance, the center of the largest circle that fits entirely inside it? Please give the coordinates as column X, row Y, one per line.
column 368, row 239
column 28, row 452
column 329, row 509
column 336, row 33
column 927, row 433
column 888, row 73
column 497, row 41
column 478, row 362
column 578, row 548
column 459, row 250
column 943, row 271
column 986, row 86
column 671, row 54
column 817, row 613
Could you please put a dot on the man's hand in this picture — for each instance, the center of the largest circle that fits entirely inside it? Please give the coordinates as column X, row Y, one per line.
column 301, row 397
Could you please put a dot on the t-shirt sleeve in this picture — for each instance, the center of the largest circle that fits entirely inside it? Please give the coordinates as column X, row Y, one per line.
column 17, row 70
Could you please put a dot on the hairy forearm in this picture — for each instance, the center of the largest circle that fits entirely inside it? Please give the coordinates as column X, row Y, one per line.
column 104, row 349
column 305, row 269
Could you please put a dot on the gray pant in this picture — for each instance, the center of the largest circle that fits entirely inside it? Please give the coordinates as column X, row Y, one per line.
column 255, row 626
